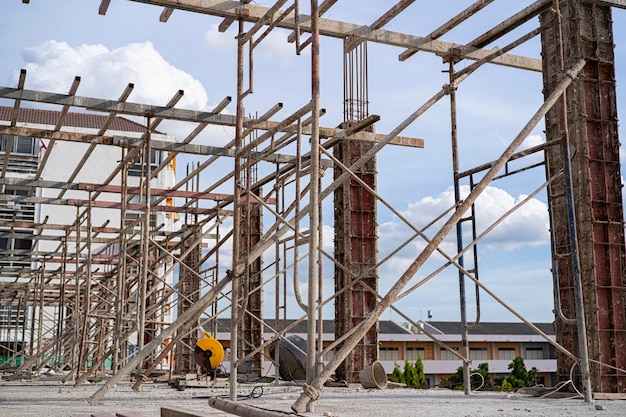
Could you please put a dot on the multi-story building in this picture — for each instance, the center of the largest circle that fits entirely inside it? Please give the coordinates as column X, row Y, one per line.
column 496, row 344
column 61, row 217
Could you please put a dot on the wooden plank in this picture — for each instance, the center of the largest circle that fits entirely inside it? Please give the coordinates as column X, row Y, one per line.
column 120, row 107
column 341, row 30
column 243, row 410
column 182, row 412
column 166, row 113
column 609, row 395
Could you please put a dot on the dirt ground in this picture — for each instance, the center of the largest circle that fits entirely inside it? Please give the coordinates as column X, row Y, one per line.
column 38, row 398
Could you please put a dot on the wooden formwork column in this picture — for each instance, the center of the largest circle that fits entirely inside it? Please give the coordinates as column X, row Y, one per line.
column 251, row 329
column 189, row 295
column 590, row 127
column 356, row 248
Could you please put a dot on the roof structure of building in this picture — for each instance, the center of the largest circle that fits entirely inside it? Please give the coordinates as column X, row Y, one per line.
column 84, row 120
column 391, row 330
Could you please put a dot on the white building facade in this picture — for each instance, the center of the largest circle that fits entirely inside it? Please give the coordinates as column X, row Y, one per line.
column 61, row 222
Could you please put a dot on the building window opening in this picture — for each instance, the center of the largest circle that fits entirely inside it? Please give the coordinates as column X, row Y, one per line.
column 534, row 353
column 388, row 354
column 481, row 354
column 413, row 353
column 137, row 169
column 446, row 355
column 506, row 354
column 22, row 145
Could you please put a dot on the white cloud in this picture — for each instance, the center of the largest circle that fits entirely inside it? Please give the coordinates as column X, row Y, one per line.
column 532, row 140
column 513, row 239
column 525, row 227
column 328, row 238
column 105, row 72
column 218, row 40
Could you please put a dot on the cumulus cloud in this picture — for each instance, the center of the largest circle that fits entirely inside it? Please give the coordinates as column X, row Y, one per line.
column 515, row 251
column 532, row 140
column 105, row 72
column 525, row 227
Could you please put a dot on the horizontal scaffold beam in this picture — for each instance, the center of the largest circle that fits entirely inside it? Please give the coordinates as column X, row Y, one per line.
column 118, row 107
column 110, row 205
column 124, row 108
column 155, row 144
column 25, row 182
column 341, row 30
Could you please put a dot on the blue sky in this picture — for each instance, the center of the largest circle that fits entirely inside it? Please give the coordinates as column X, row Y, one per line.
column 58, row 39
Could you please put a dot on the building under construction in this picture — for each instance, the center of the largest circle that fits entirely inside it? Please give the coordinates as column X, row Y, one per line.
column 113, row 265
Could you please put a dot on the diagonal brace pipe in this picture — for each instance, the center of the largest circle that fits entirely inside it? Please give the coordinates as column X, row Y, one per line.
column 311, row 391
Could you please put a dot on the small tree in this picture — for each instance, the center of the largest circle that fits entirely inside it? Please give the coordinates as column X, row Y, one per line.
column 413, row 374
column 483, row 370
column 518, row 369
column 519, row 377
column 419, row 372
column 397, row 375
column 532, row 377
column 456, row 380
column 410, row 375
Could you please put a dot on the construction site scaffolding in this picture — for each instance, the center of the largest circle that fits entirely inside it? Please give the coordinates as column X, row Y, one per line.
column 103, row 293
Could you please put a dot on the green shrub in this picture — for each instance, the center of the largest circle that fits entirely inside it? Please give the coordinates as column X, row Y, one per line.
column 456, row 381
column 519, row 377
column 420, row 380
column 413, row 374
column 397, row 375
column 410, row 374
column 506, row 386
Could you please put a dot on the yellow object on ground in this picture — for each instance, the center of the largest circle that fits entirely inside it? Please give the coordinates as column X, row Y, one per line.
column 209, row 353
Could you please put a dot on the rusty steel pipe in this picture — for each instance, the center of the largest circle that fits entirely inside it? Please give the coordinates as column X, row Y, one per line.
column 315, row 200
column 194, row 311
column 311, row 391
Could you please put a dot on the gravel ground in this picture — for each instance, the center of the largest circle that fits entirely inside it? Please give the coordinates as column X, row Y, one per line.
column 51, row 399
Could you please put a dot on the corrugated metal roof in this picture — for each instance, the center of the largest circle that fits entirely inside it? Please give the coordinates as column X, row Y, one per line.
column 84, row 120
column 488, row 328
column 386, row 326
column 389, row 327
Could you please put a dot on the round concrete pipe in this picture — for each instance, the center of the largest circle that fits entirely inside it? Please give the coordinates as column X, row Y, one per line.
column 374, row 376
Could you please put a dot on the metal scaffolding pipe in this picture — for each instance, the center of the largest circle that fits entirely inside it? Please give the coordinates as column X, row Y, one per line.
column 235, row 314
column 194, row 311
column 314, row 194
column 448, row 26
column 311, row 390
